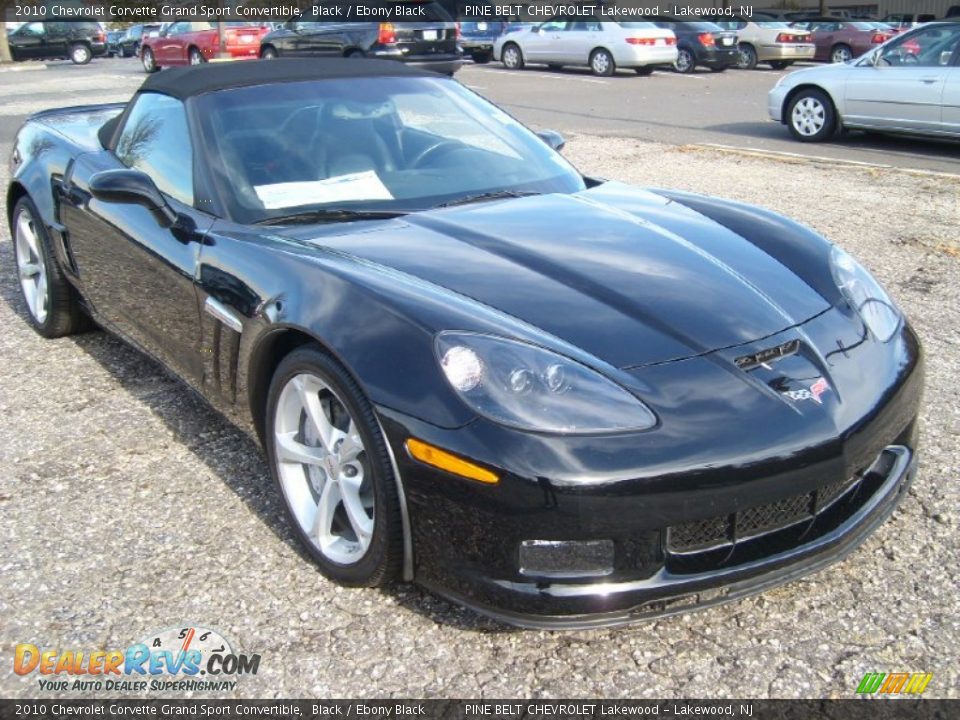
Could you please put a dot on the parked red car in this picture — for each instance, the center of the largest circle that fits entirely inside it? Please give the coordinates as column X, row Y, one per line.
column 838, row 41
column 192, row 43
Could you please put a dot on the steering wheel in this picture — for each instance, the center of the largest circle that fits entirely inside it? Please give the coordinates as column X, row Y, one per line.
column 440, row 148
column 910, row 58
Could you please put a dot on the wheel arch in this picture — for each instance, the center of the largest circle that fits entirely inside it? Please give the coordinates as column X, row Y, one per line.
column 14, row 193
column 269, row 46
column 265, row 358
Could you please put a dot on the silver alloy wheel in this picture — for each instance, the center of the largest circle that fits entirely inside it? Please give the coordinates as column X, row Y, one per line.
column 31, row 267
column 841, row 55
column 511, row 57
column 195, row 57
column 322, row 466
column 809, row 116
column 148, row 61
column 269, row 54
column 684, row 61
column 600, row 63
column 80, row 54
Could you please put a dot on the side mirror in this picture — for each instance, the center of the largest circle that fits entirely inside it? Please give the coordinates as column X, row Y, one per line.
column 535, row 29
column 132, row 187
column 552, row 138
column 291, row 25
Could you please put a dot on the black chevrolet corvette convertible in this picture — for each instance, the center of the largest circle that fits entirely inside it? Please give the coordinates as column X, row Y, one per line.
column 559, row 400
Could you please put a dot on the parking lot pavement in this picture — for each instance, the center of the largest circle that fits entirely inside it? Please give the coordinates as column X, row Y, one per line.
column 129, row 507
column 728, row 109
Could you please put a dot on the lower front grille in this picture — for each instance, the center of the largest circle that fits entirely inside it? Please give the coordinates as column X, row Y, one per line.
column 763, row 529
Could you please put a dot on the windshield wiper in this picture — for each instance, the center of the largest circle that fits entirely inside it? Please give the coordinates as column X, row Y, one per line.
column 331, row 215
column 482, row 197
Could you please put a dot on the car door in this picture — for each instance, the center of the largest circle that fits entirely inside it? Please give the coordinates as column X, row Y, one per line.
column 543, row 43
column 579, row 39
column 137, row 274
column 28, row 41
column 316, row 39
column 169, row 48
column 905, row 89
column 951, row 98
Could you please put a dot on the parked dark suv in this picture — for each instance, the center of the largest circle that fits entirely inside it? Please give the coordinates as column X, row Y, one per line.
column 133, row 37
column 430, row 44
column 79, row 41
column 702, row 43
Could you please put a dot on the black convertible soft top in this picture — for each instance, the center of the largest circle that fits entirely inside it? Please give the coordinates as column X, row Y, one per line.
column 185, row 82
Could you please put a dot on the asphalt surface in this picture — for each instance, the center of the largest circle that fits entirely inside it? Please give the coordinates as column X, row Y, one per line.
column 128, row 506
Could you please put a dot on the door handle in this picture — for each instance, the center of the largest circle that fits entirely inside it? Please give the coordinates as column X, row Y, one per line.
column 929, row 81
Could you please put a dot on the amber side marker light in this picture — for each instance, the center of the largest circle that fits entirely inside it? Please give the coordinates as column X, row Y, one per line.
column 435, row 457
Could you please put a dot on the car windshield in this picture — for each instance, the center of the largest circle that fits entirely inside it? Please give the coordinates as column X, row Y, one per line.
column 389, row 143
column 638, row 25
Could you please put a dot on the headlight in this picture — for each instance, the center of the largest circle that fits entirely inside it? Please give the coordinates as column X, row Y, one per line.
column 529, row 388
column 865, row 295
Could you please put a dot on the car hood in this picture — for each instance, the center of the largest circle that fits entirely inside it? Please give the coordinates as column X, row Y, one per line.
column 628, row 275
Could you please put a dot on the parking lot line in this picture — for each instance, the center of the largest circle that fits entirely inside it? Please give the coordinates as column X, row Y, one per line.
column 543, row 75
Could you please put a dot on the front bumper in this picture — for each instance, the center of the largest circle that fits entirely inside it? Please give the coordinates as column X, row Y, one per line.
column 775, row 99
column 467, row 538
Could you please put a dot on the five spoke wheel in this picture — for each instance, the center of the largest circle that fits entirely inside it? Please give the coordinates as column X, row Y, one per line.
column 31, row 266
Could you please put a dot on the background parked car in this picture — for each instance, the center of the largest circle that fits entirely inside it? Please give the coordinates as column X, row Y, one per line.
column 193, row 43
column 909, row 85
column 113, row 42
column 769, row 41
column 601, row 46
column 702, row 43
column 133, row 36
column 905, row 21
column 839, row 41
column 477, row 36
column 79, row 41
column 430, row 44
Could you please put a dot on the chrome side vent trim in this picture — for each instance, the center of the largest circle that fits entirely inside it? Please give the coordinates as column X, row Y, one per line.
column 221, row 312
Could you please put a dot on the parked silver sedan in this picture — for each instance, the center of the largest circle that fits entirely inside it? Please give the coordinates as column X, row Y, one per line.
column 910, row 84
column 601, row 46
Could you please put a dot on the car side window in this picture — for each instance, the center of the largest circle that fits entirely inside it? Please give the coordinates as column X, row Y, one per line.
column 34, row 28
column 156, row 140
column 554, row 26
column 928, row 47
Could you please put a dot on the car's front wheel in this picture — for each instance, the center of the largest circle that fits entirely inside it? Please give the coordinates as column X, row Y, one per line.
column 686, row 62
column 512, row 57
column 148, row 60
column 601, row 63
column 52, row 305
column 268, row 53
column 80, row 54
column 196, row 57
column 811, row 116
column 330, row 462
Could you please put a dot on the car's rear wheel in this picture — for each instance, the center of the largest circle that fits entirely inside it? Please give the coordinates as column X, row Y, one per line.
column 512, row 57
column 602, row 63
column 747, row 57
column 811, row 116
column 841, row 54
column 52, row 304
column 268, row 53
column 780, row 64
column 482, row 57
column 330, row 462
column 645, row 70
column 80, row 54
column 196, row 57
column 686, row 62
column 148, row 60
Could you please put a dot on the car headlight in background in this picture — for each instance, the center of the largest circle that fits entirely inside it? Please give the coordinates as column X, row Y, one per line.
column 865, row 295
column 530, row 388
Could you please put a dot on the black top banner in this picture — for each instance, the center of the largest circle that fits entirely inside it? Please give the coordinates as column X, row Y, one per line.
column 262, row 11
column 874, row 709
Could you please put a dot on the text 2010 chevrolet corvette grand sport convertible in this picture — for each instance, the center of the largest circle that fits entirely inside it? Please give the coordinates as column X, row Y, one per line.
column 559, row 400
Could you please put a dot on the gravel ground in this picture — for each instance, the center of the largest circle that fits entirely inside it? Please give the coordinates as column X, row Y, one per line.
column 128, row 506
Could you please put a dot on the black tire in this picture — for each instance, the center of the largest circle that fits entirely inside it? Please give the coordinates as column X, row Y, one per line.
column 195, row 57
column 747, row 59
column 645, row 70
column 840, row 53
column 63, row 313
column 268, row 53
column 149, row 61
column 80, row 53
column 806, row 127
column 512, row 57
column 602, row 63
column 356, row 54
column 780, row 64
column 686, row 61
column 382, row 561
column 482, row 57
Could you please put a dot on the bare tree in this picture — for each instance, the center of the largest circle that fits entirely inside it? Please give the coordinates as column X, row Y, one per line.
column 4, row 45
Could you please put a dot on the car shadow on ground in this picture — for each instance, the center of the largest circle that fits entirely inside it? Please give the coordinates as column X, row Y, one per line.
column 183, row 411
